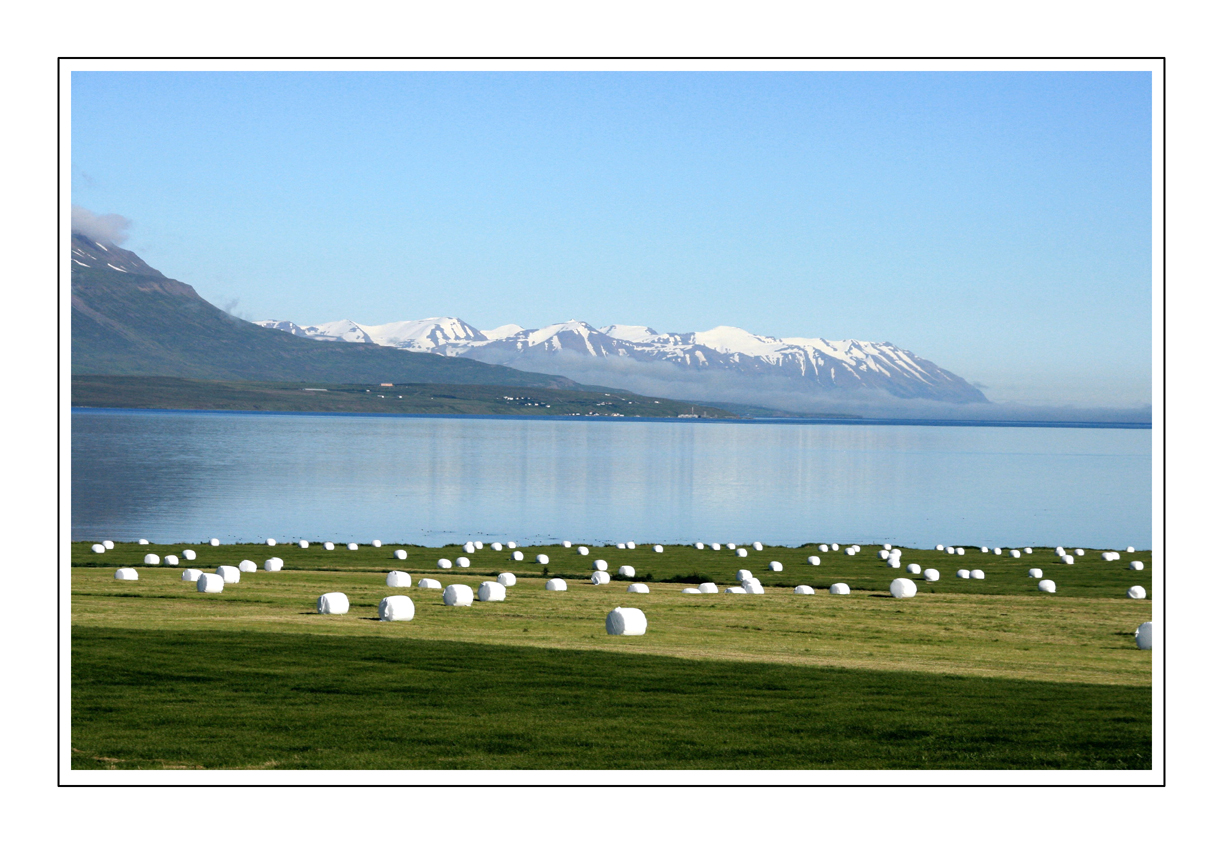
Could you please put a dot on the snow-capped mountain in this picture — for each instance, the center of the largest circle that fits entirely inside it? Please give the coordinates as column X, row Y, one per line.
column 724, row 360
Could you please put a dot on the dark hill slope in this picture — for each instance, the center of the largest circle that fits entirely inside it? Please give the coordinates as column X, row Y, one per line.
column 129, row 319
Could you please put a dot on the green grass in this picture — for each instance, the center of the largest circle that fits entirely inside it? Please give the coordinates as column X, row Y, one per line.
column 956, row 678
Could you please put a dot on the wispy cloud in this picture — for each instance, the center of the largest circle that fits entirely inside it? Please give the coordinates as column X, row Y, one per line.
column 107, row 227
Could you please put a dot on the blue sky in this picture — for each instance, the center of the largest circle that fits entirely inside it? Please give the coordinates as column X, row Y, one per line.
column 996, row 223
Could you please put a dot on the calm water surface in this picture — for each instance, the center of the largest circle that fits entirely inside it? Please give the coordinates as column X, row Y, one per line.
column 188, row 476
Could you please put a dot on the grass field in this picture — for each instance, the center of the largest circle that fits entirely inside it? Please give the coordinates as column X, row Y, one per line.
column 969, row 674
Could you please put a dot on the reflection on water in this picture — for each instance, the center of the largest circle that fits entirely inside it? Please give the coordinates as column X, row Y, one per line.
column 184, row 476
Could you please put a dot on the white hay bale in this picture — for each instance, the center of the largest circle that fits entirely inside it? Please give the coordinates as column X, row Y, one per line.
column 978, row 574
column 377, row 544
column 567, row 544
column 457, row 595
column 401, row 554
column 428, row 584
column 626, row 622
column 1145, row 636
column 599, row 577
column 627, row 571
column 638, row 587
column 775, row 566
column 836, row 547
column 1068, row 559
column 984, row 550
column 738, row 591
column 352, row 547
column 631, row 545
column 887, row 547
column 557, row 584
column 329, row 546
column 804, row 590
column 743, row 575
column 690, row 590
column 1046, row 585
column 517, row 556
column 962, row 573
column 823, row 547
column 903, row 588
column 657, row 548
column 1059, row 551
column 754, row 586
column 959, row 550
column 214, row 542
column 109, row 544
column 273, row 565
column 742, row 553
column 396, row 609
column 126, row 574
column 758, row 546
column 303, row 544
column 849, row 550
column 209, row 582
column 395, row 578
column 142, row 542
column 1136, row 565
column 839, row 589
column 271, row 541
column 913, row 569
column 813, row 560
column 938, row 548
column 598, row 565
column 1136, row 592
column 192, row 574
column 895, row 553
column 469, row 547
column 1027, row 550
column 700, row 545
column 1015, row 553
column 707, row 587
column 884, row 554
column 730, row 546
column 717, row 547
column 1129, row 548
column 930, row 574
column 950, row 550
column 998, row 551
column 97, row 548
column 247, row 566
column 463, row 562
column 229, row 574
column 1078, row 552
column 188, row 554
column 496, row 547
column 857, row 548
column 511, row 545
column 334, row 604
column 621, row 546
column 152, row 560
column 479, row 545
column 1036, row 572
column 171, row 560
column 894, row 563
column 507, row 579
column 444, row 563
column 493, row 591
column 541, row 559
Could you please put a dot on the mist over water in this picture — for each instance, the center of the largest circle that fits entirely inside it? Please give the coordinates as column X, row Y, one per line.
column 189, row 476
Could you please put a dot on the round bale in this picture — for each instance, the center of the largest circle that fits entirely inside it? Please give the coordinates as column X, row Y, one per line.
column 804, row 590
column 1136, row 592
column 913, row 569
column 741, row 552
column 209, row 582
column 739, row 591
column 444, row 563
column 215, row 542
column 97, row 548
column 690, row 590
column 775, row 566
column 839, row 589
column 142, row 542
column 626, row 622
column 273, row 565
column 743, row 575
column 557, row 584
column 247, row 566
column 627, row 571
column 126, row 574
column 463, row 562
column 377, row 544
column 599, row 577
column 657, row 548
column 903, row 588
column 396, row 609
column 517, row 556
column 401, row 554
column 352, row 547
column 192, row 574
column 469, row 547
column 329, row 546
column 491, row 591
column 598, row 565
column 271, row 541
column 109, row 544
column 717, row 547
column 1015, row 553
column 1136, row 565
column 172, row 560
column 978, row 574
column 507, row 579
column 229, row 574
column 962, row 573
column 707, row 587
column 541, row 559
column 814, row 560
column 152, row 560
column 496, row 547
column 335, row 604
column 429, row 584
column 303, row 544
column 1036, row 572
column 931, row 574
column 1145, row 636
column 823, row 547
column 630, row 545
column 188, row 554
column 457, row 595
column 511, row 545
column 638, row 587
column 700, row 545
column 395, row 578
column 1046, row 585
column 758, row 546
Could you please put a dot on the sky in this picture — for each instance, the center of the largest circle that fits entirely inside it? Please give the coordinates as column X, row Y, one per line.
column 996, row 223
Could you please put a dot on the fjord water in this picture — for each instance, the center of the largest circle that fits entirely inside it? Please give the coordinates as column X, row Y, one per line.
column 188, row 476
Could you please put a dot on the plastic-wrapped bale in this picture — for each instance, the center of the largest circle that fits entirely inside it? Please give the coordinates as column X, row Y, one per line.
column 492, row 591
column 1059, row 551
column 839, row 589
column 962, row 573
column 229, row 574
column 152, row 560
column 541, row 559
column 429, row 584
column 1027, row 550
column 303, row 544
column 352, row 547
column 496, row 547
column 823, row 547
column 479, row 545
column 913, row 569
column 621, row 546
column 1046, row 585
column 894, row 563
column 1068, row 559
column 334, row 604
column 126, row 574
column 463, row 562
column 894, row 554
column 1015, row 553
column 741, row 552
column 568, row 544
column 959, row 550
column 188, row 554
column 804, row 590
column 1136, row 565
column 1079, row 552
column 998, row 551
column 469, row 547
column 903, row 588
column 247, row 566
column 743, row 575
column 599, row 577
column 984, row 550
column 978, row 574
column 717, row 547
column 814, row 560
column 758, row 546
column 1129, row 548
column 444, row 563
column 109, row 544
column 329, row 546
column 273, row 565
column 700, row 545
column 1136, row 592
column 775, row 566
column 1145, row 636
column 511, row 545
column 377, row 544
column 707, row 587
column 192, row 574
column 849, row 550
column 690, row 590
column 583, row 550
column 395, row 578
column 171, row 560
column 556, row 584
column 457, row 595
column 271, row 541
column 630, row 545
column 730, row 546
column 658, row 548
column 142, row 542
column 507, row 579
column 627, row 571
column 626, row 622
column 598, row 565
column 950, row 550
column 97, row 548
column 396, row 609
column 209, row 582
column 517, row 556
column 401, row 554
column 214, row 542
column 884, row 554
column 638, row 587
column 938, row 548
column 754, row 587
column 931, row 574
column 1036, row 572
column 738, row 591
